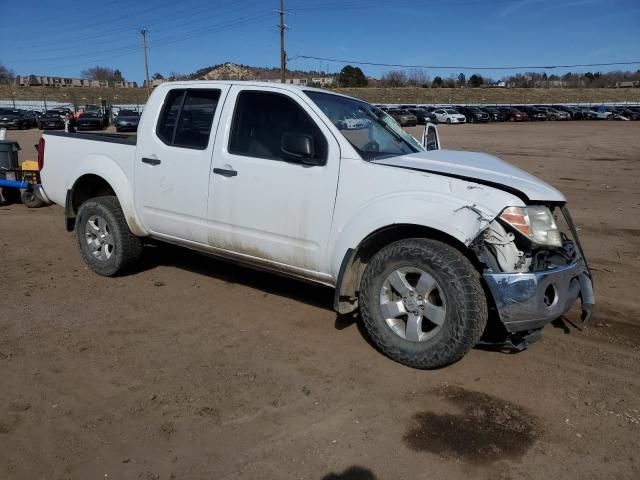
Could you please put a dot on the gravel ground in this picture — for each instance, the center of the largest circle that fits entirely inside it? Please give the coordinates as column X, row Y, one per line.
column 192, row 368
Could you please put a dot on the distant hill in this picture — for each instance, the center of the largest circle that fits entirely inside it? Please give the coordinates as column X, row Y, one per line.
column 232, row 71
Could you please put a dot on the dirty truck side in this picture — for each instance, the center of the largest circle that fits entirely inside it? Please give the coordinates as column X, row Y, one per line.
column 436, row 248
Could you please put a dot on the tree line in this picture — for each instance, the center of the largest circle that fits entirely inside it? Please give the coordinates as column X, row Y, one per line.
column 352, row 76
column 420, row 78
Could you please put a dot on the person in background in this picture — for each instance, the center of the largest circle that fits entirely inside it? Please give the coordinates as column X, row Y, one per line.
column 70, row 122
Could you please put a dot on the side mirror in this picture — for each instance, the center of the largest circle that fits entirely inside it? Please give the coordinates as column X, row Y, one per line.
column 430, row 137
column 299, row 147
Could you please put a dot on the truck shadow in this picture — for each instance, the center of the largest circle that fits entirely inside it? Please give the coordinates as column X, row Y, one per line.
column 266, row 282
column 352, row 473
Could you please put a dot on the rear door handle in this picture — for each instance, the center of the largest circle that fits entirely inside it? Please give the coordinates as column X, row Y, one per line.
column 225, row 172
column 151, row 161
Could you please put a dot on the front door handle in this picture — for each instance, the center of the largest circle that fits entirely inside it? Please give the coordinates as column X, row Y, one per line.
column 151, row 161
column 225, row 172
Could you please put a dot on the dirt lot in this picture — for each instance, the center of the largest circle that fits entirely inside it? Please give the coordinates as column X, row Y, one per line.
column 193, row 368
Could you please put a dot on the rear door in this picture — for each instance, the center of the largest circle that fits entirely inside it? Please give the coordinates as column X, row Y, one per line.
column 173, row 163
column 264, row 203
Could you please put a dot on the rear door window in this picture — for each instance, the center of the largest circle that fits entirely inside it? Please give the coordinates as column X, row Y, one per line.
column 187, row 117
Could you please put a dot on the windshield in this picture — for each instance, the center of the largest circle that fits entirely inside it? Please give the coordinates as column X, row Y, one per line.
column 452, row 112
column 376, row 136
column 127, row 113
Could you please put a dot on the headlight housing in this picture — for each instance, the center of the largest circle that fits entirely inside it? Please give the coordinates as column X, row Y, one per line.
column 534, row 222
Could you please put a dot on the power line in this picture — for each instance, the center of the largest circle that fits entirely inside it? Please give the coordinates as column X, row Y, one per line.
column 214, row 29
column 238, row 21
column 461, row 67
column 193, row 16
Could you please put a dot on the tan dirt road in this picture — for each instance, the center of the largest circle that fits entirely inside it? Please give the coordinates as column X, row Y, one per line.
column 193, row 368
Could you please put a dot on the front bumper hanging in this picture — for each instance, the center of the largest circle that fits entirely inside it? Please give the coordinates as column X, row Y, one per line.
column 529, row 300
column 526, row 301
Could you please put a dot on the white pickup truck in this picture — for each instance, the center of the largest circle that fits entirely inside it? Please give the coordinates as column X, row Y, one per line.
column 435, row 247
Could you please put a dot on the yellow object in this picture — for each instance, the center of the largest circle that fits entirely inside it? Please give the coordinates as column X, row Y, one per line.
column 29, row 165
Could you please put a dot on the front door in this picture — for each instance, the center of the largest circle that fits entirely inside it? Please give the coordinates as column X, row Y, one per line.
column 265, row 203
column 173, row 163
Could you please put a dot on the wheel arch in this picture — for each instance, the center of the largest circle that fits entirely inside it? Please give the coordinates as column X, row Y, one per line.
column 356, row 259
column 90, row 185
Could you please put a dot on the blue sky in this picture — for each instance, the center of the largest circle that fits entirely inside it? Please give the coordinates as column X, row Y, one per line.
column 63, row 38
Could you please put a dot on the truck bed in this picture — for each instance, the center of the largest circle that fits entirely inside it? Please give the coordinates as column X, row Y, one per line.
column 68, row 156
column 98, row 137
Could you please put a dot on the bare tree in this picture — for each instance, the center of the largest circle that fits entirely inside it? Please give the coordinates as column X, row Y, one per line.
column 417, row 78
column 176, row 76
column 6, row 75
column 99, row 73
column 394, row 78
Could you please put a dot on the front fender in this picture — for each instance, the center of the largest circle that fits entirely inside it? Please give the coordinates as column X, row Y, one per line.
column 105, row 168
column 459, row 216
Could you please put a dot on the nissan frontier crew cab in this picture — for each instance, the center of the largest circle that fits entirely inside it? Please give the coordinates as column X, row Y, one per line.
column 435, row 247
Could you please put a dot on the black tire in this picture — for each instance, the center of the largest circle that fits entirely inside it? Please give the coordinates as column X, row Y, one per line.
column 459, row 283
column 126, row 247
column 448, row 121
column 30, row 199
column 11, row 195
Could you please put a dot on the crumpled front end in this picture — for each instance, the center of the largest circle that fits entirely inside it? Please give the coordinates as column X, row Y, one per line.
column 532, row 285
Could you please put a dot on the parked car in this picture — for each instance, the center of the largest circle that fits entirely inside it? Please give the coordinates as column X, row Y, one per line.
column 53, row 119
column 553, row 114
column 127, row 120
column 588, row 113
column 495, row 114
column 272, row 182
column 533, row 113
column 91, row 120
column 512, row 114
column 423, row 115
column 473, row 114
column 604, row 113
column 626, row 112
column 575, row 113
column 16, row 118
column 403, row 117
column 353, row 123
column 449, row 115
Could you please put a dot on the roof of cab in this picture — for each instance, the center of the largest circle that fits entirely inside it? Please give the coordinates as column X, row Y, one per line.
column 252, row 83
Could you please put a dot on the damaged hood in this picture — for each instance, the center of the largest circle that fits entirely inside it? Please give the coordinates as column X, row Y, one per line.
column 478, row 167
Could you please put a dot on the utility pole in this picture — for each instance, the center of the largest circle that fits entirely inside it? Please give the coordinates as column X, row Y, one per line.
column 283, row 53
column 143, row 32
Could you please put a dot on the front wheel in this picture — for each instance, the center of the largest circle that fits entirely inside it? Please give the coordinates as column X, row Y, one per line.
column 448, row 121
column 422, row 303
column 106, row 244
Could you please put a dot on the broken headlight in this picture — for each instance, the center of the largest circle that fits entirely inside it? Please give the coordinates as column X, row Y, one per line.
column 534, row 222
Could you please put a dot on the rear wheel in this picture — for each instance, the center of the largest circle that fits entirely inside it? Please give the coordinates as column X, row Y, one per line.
column 106, row 244
column 422, row 303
